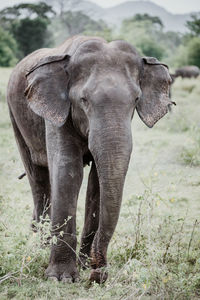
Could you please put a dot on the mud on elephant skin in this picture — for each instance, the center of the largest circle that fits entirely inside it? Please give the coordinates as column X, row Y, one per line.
column 71, row 105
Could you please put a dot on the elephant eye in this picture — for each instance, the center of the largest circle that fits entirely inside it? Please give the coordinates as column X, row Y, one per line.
column 84, row 101
column 137, row 100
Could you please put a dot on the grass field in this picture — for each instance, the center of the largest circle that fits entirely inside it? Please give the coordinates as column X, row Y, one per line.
column 155, row 250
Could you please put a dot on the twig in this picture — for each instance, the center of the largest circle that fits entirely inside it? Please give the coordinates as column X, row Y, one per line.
column 138, row 224
column 115, row 278
column 191, row 238
column 130, row 295
column 179, row 240
column 7, row 276
column 167, row 247
column 22, row 176
column 21, row 270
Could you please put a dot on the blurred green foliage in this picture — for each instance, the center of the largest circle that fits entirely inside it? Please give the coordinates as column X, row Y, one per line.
column 27, row 23
column 27, row 27
column 188, row 51
column 194, row 25
column 142, row 33
column 30, row 34
column 146, row 17
column 149, row 48
column 8, row 48
column 72, row 23
column 194, row 51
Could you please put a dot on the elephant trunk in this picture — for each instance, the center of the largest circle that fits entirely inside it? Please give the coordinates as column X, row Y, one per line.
column 111, row 148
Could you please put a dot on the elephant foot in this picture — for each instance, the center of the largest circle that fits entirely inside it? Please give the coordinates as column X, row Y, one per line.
column 98, row 275
column 64, row 272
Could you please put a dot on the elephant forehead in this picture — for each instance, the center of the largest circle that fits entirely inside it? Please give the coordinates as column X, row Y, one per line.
column 90, row 46
column 102, row 57
column 123, row 46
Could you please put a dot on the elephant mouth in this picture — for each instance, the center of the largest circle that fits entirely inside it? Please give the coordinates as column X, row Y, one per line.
column 87, row 158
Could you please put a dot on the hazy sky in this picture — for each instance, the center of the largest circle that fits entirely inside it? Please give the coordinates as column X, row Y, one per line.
column 174, row 6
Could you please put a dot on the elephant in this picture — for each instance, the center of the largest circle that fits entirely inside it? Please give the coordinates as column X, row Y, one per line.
column 187, row 72
column 70, row 106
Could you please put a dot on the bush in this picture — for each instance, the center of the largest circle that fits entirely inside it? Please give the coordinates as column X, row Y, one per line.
column 181, row 57
column 30, row 34
column 7, row 49
column 27, row 23
column 194, row 51
column 143, row 35
column 191, row 154
column 188, row 54
column 150, row 48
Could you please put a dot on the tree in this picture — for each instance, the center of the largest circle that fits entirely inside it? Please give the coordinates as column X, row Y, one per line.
column 24, row 10
column 30, row 34
column 188, row 53
column 62, row 6
column 72, row 23
column 194, row 25
column 28, row 25
column 77, row 22
column 105, row 32
column 150, row 48
column 194, row 51
column 8, row 48
column 146, row 17
column 143, row 32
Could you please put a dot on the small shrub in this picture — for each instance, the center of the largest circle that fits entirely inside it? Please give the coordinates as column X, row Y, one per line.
column 188, row 87
column 193, row 51
column 191, row 154
column 181, row 123
column 129, row 252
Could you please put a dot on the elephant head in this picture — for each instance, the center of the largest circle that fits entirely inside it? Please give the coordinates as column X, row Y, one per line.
column 96, row 68
column 101, row 84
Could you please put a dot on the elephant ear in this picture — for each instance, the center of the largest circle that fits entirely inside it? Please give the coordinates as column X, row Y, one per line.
column 46, row 92
column 154, row 83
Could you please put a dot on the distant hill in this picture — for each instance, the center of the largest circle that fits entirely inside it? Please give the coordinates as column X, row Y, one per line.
column 91, row 9
column 115, row 15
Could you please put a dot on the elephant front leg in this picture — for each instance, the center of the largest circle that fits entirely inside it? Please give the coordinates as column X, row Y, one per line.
column 91, row 222
column 109, row 212
column 66, row 177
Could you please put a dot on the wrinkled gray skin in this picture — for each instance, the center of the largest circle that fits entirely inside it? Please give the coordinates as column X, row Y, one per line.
column 71, row 105
column 187, row 72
